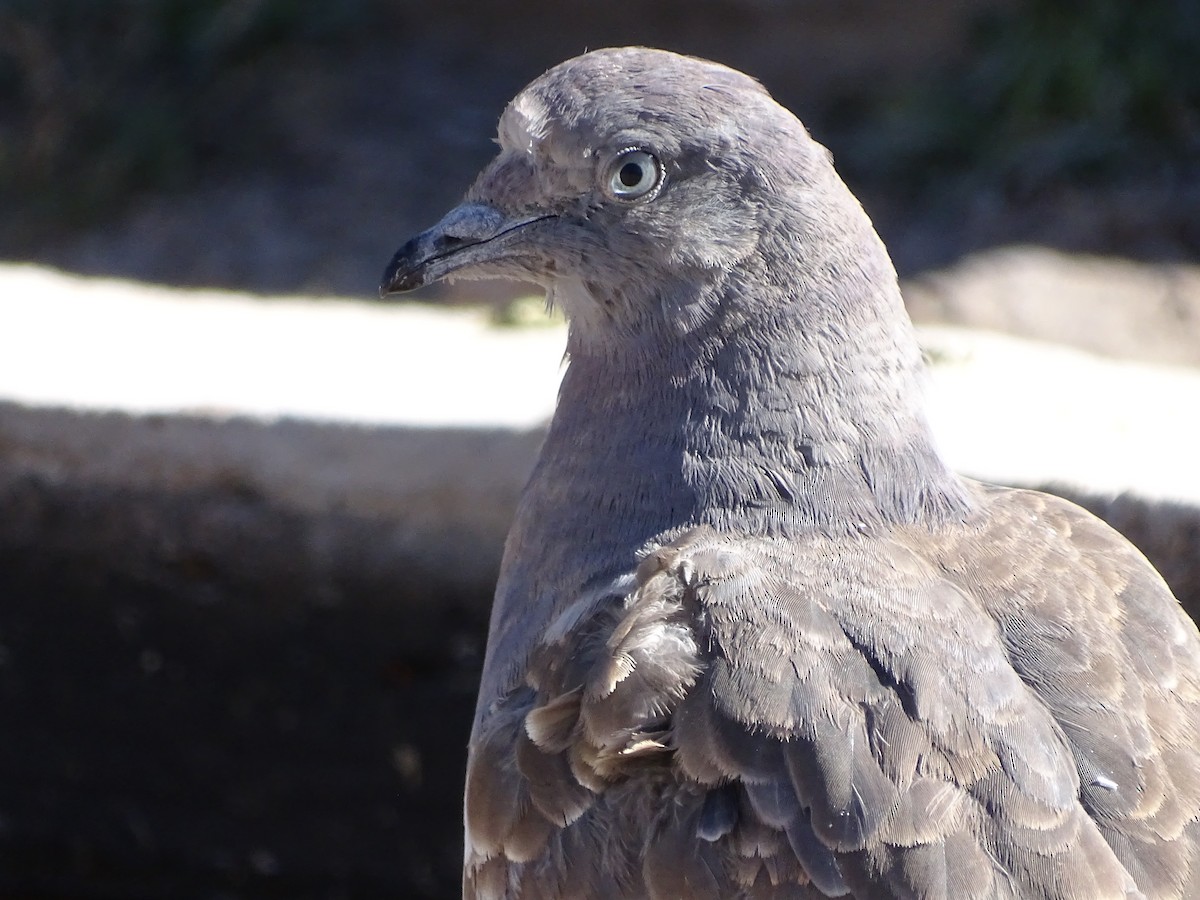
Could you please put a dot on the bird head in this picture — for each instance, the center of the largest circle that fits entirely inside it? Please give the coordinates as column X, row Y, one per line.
column 627, row 180
column 726, row 296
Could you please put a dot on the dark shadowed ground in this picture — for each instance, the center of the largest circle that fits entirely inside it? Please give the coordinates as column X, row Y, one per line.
column 181, row 749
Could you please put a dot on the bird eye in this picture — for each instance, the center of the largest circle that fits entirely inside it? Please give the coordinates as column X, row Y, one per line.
column 634, row 174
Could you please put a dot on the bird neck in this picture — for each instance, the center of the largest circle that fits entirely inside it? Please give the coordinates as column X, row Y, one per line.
column 755, row 426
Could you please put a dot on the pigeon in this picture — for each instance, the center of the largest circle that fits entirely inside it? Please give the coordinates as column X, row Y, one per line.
column 752, row 637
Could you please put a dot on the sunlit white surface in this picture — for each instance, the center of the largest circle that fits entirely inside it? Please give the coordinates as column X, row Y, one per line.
column 104, row 344
column 1004, row 409
column 1025, row 412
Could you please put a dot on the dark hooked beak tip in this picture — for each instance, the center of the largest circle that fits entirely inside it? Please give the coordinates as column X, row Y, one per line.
column 403, row 273
column 444, row 248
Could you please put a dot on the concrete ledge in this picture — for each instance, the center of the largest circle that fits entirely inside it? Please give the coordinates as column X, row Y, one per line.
column 1144, row 311
column 314, row 513
column 415, row 518
column 102, row 344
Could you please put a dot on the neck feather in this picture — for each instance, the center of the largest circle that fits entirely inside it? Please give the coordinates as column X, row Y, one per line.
column 743, row 429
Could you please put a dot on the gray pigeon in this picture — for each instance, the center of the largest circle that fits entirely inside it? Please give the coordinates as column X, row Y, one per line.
column 752, row 638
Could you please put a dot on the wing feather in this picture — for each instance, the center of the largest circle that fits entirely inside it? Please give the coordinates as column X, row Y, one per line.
column 909, row 715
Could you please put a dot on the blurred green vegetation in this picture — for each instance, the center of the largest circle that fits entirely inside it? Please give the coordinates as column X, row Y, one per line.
column 101, row 99
column 1084, row 91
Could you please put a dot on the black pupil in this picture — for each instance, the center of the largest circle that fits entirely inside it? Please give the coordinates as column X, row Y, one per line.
column 630, row 174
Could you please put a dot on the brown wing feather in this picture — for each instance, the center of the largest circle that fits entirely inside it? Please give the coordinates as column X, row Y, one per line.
column 1094, row 630
column 921, row 756
column 909, row 715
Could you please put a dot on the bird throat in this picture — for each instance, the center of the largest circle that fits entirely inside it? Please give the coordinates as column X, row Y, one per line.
column 742, row 441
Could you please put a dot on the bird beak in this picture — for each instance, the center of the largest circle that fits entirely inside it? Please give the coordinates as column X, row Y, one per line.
column 468, row 235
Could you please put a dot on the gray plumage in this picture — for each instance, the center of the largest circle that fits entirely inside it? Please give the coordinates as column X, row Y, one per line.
column 752, row 638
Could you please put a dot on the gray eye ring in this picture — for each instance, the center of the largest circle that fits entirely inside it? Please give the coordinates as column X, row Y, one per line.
column 634, row 174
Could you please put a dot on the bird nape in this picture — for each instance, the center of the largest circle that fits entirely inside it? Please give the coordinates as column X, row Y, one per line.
column 752, row 638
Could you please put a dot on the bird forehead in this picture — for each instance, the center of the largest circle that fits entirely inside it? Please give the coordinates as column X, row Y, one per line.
column 658, row 77
column 546, row 125
column 526, row 123
column 585, row 103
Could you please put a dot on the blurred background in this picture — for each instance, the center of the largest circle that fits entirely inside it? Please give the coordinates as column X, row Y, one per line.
column 236, row 660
